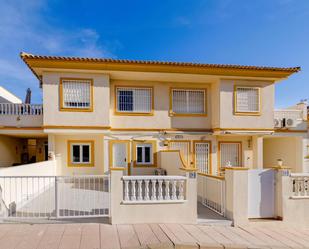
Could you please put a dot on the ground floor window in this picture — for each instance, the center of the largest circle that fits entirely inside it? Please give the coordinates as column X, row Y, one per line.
column 81, row 153
column 230, row 154
column 144, row 153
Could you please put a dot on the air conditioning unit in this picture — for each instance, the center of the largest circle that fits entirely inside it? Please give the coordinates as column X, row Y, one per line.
column 289, row 122
column 278, row 123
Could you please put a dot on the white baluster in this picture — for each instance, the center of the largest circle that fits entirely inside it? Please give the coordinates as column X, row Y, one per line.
column 302, row 186
column 181, row 195
column 306, row 185
column 174, row 189
column 133, row 192
column 147, row 190
column 139, row 190
column 153, row 192
column 167, row 190
column 160, row 194
column 126, row 191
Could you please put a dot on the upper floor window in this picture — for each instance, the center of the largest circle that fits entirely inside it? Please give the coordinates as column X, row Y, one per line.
column 76, row 94
column 134, row 100
column 247, row 100
column 188, row 102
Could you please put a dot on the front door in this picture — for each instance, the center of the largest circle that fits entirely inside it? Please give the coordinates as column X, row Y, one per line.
column 120, row 155
column 202, row 156
column 261, row 193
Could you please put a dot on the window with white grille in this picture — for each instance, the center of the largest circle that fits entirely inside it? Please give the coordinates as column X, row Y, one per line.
column 76, row 93
column 188, row 101
column 134, row 100
column 202, row 157
column 230, row 154
column 184, row 149
column 247, row 99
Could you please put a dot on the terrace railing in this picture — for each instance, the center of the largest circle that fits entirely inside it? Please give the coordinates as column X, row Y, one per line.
column 300, row 185
column 141, row 189
column 20, row 109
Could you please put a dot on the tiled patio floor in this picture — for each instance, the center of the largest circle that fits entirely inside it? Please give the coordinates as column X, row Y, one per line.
column 104, row 236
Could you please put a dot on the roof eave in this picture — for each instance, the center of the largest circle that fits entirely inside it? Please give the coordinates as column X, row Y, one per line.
column 34, row 62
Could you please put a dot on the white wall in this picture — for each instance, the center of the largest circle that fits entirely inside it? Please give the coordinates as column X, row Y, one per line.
column 45, row 168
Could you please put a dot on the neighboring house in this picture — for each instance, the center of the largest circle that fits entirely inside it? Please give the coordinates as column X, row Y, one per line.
column 103, row 115
column 8, row 97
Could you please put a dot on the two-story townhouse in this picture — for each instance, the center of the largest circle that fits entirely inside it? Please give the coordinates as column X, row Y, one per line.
column 106, row 113
column 135, row 117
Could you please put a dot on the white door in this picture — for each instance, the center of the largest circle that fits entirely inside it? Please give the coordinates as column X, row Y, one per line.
column 261, row 193
column 202, row 157
column 121, row 156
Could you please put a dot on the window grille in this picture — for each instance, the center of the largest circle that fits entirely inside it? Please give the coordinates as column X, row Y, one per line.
column 247, row 99
column 202, row 157
column 230, row 154
column 188, row 101
column 138, row 100
column 76, row 93
column 184, row 148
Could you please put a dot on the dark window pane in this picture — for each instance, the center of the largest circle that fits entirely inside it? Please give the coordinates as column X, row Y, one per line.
column 86, row 153
column 125, row 100
column 147, row 154
column 139, row 154
column 76, row 154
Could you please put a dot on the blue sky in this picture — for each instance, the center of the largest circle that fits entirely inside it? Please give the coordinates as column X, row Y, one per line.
column 260, row 32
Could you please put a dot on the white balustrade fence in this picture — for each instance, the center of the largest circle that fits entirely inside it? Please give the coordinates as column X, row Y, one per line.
column 212, row 193
column 154, row 189
column 54, row 196
column 20, row 109
column 300, row 185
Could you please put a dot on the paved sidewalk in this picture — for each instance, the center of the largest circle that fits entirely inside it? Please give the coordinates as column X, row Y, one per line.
column 104, row 236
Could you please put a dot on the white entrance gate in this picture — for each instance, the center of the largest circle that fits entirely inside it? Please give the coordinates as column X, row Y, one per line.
column 54, row 196
column 82, row 196
column 261, row 193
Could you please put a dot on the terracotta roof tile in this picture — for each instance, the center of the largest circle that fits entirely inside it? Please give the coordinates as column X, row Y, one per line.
column 25, row 56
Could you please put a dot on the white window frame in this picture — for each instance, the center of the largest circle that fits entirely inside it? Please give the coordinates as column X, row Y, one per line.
column 81, row 162
column 188, row 113
column 133, row 112
column 247, row 112
column 143, row 146
column 63, row 106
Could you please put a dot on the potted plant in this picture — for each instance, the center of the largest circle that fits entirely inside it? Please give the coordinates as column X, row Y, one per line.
column 279, row 162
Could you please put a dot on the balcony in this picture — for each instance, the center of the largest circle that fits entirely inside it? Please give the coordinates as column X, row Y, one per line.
column 21, row 115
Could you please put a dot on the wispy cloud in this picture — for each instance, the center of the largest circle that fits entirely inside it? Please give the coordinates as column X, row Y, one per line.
column 23, row 27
